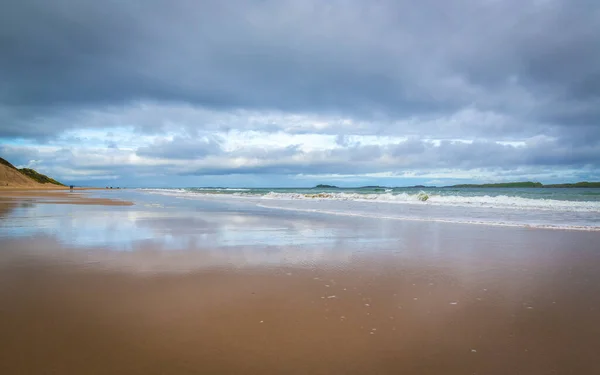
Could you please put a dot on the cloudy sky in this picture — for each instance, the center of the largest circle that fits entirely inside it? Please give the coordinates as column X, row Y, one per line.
column 299, row 92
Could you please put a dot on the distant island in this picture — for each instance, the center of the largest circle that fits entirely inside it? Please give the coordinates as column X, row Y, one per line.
column 583, row 184
column 323, row 186
column 41, row 178
column 529, row 184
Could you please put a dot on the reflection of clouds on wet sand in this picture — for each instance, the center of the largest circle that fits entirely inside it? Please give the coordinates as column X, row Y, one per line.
column 6, row 208
column 227, row 291
column 153, row 257
column 235, row 229
column 469, row 306
column 121, row 228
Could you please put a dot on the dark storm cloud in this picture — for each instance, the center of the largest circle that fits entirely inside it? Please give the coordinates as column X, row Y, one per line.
column 538, row 61
column 487, row 71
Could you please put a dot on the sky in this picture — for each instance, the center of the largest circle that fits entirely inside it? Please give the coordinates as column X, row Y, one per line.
column 159, row 93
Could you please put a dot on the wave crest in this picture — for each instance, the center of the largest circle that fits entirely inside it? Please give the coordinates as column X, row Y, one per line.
column 484, row 201
column 417, row 198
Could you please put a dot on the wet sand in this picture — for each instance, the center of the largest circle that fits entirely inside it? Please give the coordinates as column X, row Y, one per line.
column 57, row 196
column 46, row 187
column 382, row 298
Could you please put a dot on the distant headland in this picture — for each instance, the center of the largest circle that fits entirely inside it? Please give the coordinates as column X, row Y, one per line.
column 529, row 184
column 523, row 184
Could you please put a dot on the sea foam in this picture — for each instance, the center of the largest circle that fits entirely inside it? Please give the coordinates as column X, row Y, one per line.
column 418, row 198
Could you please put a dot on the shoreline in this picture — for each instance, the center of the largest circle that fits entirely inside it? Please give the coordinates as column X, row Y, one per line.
column 59, row 196
column 207, row 288
column 47, row 188
column 468, row 304
column 499, row 211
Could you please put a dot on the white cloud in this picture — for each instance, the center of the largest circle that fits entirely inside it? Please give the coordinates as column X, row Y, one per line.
column 381, row 90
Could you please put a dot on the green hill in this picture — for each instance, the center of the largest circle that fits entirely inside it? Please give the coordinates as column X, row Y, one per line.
column 529, row 184
column 36, row 176
column 583, row 184
column 5, row 162
column 10, row 176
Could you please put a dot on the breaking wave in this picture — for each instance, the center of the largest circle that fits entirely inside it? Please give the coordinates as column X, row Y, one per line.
column 416, row 197
column 485, row 201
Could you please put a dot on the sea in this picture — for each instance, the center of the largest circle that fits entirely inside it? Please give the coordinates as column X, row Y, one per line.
column 544, row 208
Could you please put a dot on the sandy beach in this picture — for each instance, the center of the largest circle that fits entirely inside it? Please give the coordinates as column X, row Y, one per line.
column 173, row 287
column 56, row 195
column 299, row 187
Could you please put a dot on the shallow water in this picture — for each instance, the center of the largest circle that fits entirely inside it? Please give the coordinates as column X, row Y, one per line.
column 567, row 209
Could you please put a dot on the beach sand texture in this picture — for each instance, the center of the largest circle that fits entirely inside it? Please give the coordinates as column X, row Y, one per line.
column 250, row 293
column 58, row 196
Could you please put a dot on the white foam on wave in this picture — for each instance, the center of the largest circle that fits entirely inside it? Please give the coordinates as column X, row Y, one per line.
column 486, row 201
column 439, row 220
column 219, row 189
column 198, row 193
column 163, row 191
column 191, row 191
column 539, row 213
column 482, row 201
